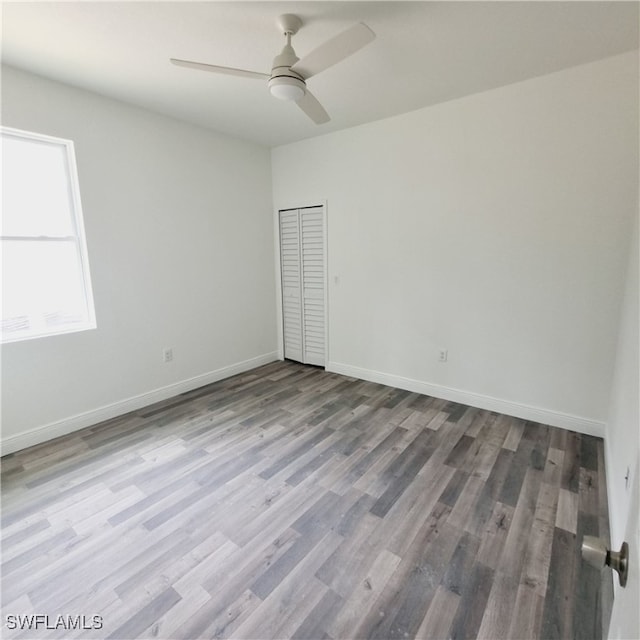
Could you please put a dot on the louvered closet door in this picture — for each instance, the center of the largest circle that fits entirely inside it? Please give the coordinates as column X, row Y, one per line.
column 291, row 284
column 311, row 223
column 303, row 285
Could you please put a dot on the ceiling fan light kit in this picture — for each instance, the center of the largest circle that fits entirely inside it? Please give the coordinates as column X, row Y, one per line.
column 289, row 74
column 287, row 88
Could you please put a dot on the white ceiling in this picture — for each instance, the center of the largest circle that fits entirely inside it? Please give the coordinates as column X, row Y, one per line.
column 424, row 53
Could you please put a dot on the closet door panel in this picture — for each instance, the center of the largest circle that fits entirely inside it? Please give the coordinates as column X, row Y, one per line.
column 291, row 285
column 312, row 235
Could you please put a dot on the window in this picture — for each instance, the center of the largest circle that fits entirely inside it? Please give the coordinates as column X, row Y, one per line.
column 46, row 288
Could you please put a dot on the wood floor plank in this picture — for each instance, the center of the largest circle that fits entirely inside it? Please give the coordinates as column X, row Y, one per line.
column 487, row 499
column 498, row 612
column 495, row 535
column 275, row 617
column 471, row 607
column 147, row 615
column 228, row 619
column 567, row 515
column 422, row 566
column 226, row 582
column 289, row 502
column 343, row 569
column 461, row 563
column 462, row 513
column 527, row 617
column 313, row 625
column 312, row 526
column 512, row 558
column 557, row 619
column 426, row 506
column 363, row 595
column 169, row 624
column 538, row 553
column 438, row 619
column 192, row 579
column 512, row 440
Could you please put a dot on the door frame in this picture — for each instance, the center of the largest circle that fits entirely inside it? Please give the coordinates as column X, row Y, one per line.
column 306, row 204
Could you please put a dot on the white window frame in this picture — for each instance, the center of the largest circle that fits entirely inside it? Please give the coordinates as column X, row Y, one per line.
column 77, row 237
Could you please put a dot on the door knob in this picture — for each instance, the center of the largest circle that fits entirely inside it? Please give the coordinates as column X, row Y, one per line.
column 595, row 552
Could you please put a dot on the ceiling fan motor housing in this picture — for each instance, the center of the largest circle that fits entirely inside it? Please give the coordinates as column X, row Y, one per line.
column 285, row 83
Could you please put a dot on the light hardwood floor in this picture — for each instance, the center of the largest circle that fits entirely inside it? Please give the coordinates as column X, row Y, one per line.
column 288, row 502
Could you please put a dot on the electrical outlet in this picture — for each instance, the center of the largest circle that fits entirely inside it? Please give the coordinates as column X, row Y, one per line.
column 167, row 354
column 443, row 354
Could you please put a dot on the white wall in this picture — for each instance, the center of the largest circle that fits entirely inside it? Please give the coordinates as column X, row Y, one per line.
column 495, row 226
column 179, row 230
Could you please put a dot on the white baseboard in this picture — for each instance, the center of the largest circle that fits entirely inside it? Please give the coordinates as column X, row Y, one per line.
column 526, row 412
column 95, row 416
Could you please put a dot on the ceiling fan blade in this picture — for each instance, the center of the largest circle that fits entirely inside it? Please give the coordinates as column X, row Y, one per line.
column 310, row 105
column 334, row 50
column 216, row 69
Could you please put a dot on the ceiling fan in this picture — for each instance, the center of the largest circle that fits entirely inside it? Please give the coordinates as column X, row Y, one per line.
column 289, row 74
